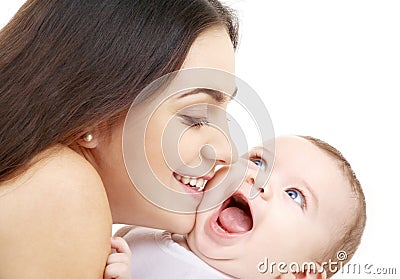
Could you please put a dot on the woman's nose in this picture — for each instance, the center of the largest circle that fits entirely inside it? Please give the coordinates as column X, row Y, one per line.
column 220, row 148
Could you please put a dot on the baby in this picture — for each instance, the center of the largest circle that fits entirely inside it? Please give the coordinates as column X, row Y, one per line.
column 303, row 221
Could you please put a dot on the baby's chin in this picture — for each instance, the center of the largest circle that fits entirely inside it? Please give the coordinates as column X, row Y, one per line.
column 224, row 263
column 202, row 248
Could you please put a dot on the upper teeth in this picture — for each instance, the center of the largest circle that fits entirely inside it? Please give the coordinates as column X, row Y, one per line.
column 193, row 182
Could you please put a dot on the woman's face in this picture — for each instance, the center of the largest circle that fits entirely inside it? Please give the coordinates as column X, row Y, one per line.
column 171, row 145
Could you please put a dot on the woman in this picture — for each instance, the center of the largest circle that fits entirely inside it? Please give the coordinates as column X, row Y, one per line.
column 69, row 72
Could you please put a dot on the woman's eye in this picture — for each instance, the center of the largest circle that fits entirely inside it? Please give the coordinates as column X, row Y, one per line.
column 195, row 122
column 259, row 163
column 297, row 196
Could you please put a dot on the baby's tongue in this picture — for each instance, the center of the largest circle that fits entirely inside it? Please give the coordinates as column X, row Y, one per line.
column 235, row 220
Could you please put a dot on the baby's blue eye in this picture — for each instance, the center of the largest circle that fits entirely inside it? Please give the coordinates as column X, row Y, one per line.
column 259, row 163
column 296, row 196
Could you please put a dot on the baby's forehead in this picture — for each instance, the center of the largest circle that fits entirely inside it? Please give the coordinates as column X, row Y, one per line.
column 291, row 146
column 272, row 144
column 297, row 159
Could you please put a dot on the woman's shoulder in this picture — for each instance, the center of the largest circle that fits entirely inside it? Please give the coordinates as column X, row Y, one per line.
column 53, row 169
column 61, row 163
column 55, row 218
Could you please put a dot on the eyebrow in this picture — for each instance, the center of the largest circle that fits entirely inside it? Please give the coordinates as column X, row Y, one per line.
column 217, row 95
column 303, row 182
column 311, row 191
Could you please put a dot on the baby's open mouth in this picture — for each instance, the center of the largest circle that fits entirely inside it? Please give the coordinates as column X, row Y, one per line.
column 235, row 215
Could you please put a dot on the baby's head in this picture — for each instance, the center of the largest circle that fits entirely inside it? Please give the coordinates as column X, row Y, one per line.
column 311, row 207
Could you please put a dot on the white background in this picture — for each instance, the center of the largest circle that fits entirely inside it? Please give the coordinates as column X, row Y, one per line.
column 331, row 69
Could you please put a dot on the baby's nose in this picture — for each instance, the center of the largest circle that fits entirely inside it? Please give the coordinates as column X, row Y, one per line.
column 255, row 181
column 246, row 172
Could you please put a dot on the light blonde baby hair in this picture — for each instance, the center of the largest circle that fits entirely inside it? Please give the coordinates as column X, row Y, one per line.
column 354, row 229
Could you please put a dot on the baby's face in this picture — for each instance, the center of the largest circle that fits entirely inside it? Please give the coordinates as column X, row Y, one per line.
column 296, row 217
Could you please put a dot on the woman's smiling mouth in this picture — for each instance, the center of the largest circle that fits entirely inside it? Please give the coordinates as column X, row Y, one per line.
column 196, row 183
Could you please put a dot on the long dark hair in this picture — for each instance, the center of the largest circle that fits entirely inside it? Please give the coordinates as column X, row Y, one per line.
column 72, row 64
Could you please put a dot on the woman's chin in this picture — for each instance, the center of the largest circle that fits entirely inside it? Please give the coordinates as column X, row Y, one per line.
column 179, row 223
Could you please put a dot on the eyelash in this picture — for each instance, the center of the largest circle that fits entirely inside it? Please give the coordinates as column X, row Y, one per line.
column 303, row 196
column 195, row 122
column 257, row 156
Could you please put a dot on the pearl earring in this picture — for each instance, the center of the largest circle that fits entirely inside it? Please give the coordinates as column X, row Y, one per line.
column 88, row 137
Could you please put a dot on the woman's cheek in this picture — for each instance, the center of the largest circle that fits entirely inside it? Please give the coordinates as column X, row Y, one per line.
column 190, row 146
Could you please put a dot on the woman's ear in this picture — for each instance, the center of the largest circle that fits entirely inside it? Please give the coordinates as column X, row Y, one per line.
column 89, row 139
